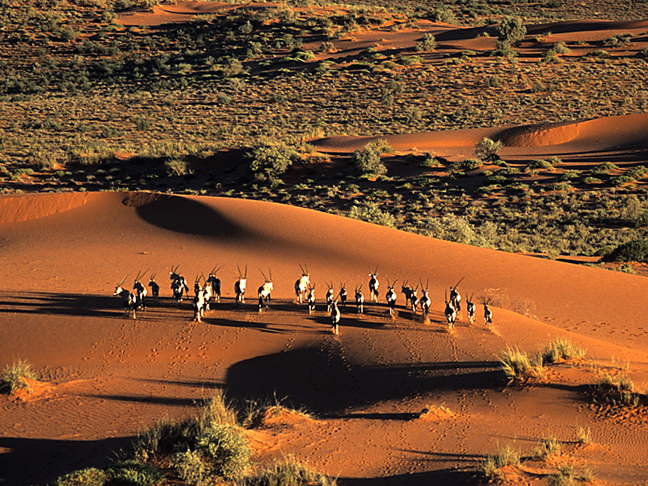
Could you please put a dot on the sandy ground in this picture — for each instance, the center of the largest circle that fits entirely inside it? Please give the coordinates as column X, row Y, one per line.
column 109, row 376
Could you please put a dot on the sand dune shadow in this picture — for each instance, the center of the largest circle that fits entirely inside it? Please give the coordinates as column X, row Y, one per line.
column 322, row 381
column 185, row 215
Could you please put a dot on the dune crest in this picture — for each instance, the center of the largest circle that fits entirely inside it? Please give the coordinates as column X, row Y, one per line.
column 540, row 135
column 14, row 209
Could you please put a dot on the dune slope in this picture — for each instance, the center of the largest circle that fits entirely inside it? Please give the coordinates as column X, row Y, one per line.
column 110, row 375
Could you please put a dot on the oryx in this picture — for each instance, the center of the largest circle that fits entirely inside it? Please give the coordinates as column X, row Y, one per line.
column 410, row 296
column 310, row 299
column 359, row 299
column 240, row 285
column 265, row 290
column 391, row 297
column 450, row 312
column 129, row 299
column 200, row 305
column 302, row 284
column 140, row 290
column 329, row 297
column 155, row 288
column 455, row 297
column 343, row 295
column 373, row 284
column 178, row 284
column 215, row 283
column 488, row 314
column 470, row 309
column 335, row 317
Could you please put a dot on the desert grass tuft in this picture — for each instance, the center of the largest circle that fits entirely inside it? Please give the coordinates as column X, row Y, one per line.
column 549, row 447
column 504, row 457
column 289, row 472
column 561, row 349
column 255, row 413
column 584, row 435
column 568, row 475
column 520, row 367
column 85, row 477
column 15, row 377
column 617, row 390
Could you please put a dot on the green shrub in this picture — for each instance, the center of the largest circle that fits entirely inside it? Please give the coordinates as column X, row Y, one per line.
column 226, row 449
column 85, row 477
column 368, row 161
column 135, row 473
column 372, row 213
column 603, row 168
column 191, row 467
column 15, row 376
column 633, row 251
column 539, row 165
column 464, row 165
column 487, row 149
column 560, row 48
column 511, row 29
column 269, row 161
column 428, row 43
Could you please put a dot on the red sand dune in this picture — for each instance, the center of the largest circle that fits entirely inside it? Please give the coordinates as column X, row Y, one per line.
column 111, row 375
column 612, row 134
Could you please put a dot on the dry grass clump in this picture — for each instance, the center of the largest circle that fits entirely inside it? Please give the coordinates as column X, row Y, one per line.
column 16, row 377
column 617, row 390
column 289, row 472
column 568, row 475
column 520, row 367
column 584, row 435
column 548, row 448
column 561, row 349
column 493, row 464
column 262, row 413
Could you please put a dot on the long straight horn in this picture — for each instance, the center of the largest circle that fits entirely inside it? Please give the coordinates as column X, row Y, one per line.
column 239, row 270
column 245, row 276
column 123, row 279
column 302, row 269
column 264, row 275
column 218, row 269
column 270, row 272
column 459, row 282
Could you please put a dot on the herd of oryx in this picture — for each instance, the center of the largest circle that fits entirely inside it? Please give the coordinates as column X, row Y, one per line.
column 208, row 290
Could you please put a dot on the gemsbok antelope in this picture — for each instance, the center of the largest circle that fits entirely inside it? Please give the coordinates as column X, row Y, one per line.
column 178, row 285
column 140, row 290
column 410, row 296
column 302, row 284
column 199, row 305
column 488, row 315
column 425, row 302
column 373, row 285
column 391, row 297
column 155, row 288
column 335, row 318
column 310, row 299
column 265, row 291
column 240, row 286
column 343, row 295
column 470, row 309
column 455, row 297
column 129, row 299
column 329, row 297
column 359, row 299
column 215, row 283
column 450, row 312
column 197, row 286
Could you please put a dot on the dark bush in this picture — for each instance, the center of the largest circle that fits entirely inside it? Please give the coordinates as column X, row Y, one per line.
column 633, row 251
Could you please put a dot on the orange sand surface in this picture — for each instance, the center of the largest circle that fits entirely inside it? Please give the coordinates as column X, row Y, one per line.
column 108, row 376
